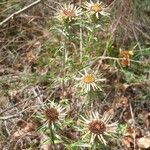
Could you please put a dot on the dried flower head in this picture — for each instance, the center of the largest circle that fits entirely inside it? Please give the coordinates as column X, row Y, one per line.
column 68, row 12
column 129, row 135
column 88, row 81
column 51, row 114
column 97, row 127
column 97, row 8
column 55, row 113
column 125, row 55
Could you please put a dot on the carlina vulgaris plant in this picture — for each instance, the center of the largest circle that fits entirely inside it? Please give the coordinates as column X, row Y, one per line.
column 96, row 8
column 89, row 80
column 53, row 117
column 66, row 15
column 97, row 128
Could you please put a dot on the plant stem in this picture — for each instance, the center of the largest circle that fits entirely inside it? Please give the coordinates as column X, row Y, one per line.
column 52, row 135
column 64, row 66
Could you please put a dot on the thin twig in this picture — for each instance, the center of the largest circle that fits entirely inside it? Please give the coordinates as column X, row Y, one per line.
column 19, row 12
column 9, row 117
column 11, row 107
column 112, row 58
column 13, row 116
column 143, row 33
column 47, row 5
column 131, row 110
column 81, row 40
column 136, row 37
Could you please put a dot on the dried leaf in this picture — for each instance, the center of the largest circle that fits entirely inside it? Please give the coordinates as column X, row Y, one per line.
column 127, row 141
column 145, row 116
column 30, row 57
column 123, row 102
column 143, row 142
column 27, row 129
column 43, row 144
column 30, row 126
column 19, row 133
column 127, row 116
column 125, row 55
column 133, row 132
column 130, row 136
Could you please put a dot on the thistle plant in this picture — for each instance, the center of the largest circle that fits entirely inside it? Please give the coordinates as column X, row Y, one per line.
column 96, row 8
column 52, row 117
column 78, row 32
column 78, row 75
column 97, row 128
column 68, row 13
column 89, row 81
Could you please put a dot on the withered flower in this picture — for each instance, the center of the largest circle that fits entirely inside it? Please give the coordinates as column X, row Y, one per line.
column 98, row 127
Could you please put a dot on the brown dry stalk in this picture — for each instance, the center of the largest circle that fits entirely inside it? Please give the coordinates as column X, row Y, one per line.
column 19, row 12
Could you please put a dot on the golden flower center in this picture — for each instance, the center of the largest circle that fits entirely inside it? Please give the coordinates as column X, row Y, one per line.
column 89, row 78
column 96, row 8
column 51, row 114
column 68, row 13
column 97, row 127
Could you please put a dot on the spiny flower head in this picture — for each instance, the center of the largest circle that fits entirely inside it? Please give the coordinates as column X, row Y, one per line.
column 68, row 12
column 97, row 8
column 88, row 80
column 53, row 113
column 97, row 127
